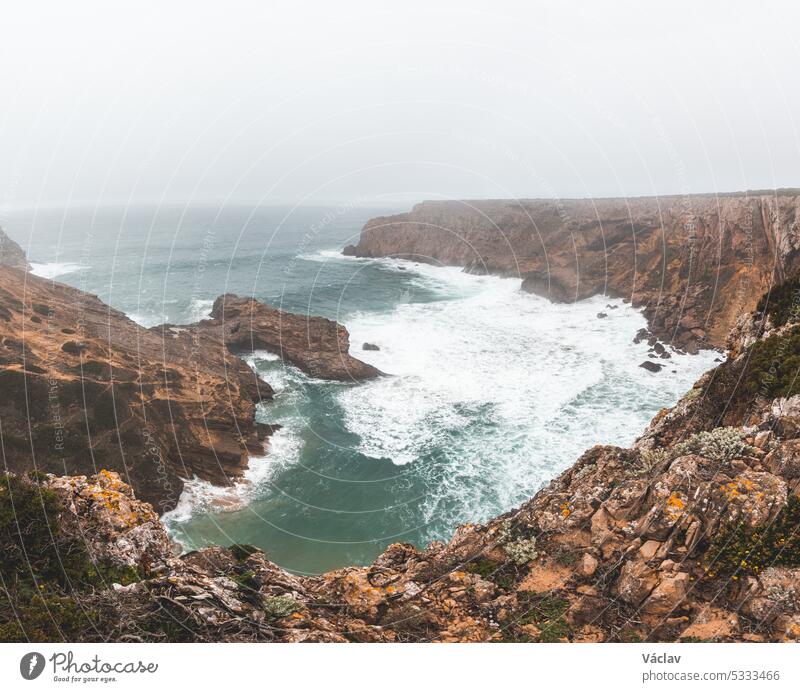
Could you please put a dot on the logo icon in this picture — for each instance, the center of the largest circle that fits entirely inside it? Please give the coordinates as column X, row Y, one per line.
column 31, row 665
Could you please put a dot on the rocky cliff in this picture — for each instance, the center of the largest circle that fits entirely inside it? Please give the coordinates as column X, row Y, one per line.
column 693, row 263
column 689, row 535
column 85, row 388
column 11, row 254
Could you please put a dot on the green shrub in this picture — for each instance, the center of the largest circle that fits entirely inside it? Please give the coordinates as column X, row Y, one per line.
column 547, row 612
column 773, row 366
column 744, row 550
column 720, row 445
column 782, row 303
column 27, row 530
column 500, row 573
column 650, row 460
column 629, row 636
column 485, row 568
column 47, row 616
column 278, row 607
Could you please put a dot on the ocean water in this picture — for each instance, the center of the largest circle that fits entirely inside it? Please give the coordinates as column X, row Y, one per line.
column 491, row 392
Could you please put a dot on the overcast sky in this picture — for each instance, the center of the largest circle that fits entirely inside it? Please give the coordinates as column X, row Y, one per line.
column 388, row 103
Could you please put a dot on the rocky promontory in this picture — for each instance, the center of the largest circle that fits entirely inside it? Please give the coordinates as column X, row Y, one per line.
column 316, row 345
column 85, row 388
column 693, row 263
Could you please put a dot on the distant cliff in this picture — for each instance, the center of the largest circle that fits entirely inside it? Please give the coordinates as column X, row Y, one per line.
column 11, row 254
column 694, row 263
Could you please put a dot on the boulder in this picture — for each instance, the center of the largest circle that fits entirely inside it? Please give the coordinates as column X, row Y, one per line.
column 668, row 594
column 650, row 366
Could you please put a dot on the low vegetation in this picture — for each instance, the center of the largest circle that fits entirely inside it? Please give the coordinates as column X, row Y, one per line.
column 782, row 303
column 547, row 614
column 520, row 549
column 278, row 607
column 743, row 550
column 719, row 445
column 773, row 366
column 43, row 573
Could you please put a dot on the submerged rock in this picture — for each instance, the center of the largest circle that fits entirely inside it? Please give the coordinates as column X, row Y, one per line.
column 370, row 347
column 651, row 366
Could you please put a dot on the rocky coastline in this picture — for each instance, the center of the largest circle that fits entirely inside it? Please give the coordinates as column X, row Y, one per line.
column 689, row 535
column 693, row 263
column 86, row 388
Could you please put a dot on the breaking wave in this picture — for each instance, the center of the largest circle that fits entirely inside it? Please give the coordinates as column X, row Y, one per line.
column 51, row 270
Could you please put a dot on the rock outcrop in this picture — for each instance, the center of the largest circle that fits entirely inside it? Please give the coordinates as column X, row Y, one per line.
column 693, row 263
column 11, row 254
column 103, row 515
column 316, row 345
column 85, row 388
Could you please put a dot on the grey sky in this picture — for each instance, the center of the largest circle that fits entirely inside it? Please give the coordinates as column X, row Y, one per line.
column 380, row 103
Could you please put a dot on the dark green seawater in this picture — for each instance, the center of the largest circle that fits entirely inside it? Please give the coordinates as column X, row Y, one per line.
column 492, row 391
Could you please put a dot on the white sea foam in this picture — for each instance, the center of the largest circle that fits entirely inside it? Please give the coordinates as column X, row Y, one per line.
column 147, row 319
column 200, row 309
column 510, row 387
column 284, row 448
column 50, row 270
column 200, row 496
column 324, row 255
column 497, row 390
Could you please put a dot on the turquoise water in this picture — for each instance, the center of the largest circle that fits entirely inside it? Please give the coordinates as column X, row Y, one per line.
column 491, row 391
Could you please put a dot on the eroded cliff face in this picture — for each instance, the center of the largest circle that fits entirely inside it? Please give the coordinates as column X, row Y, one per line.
column 694, row 264
column 11, row 254
column 85, row 388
